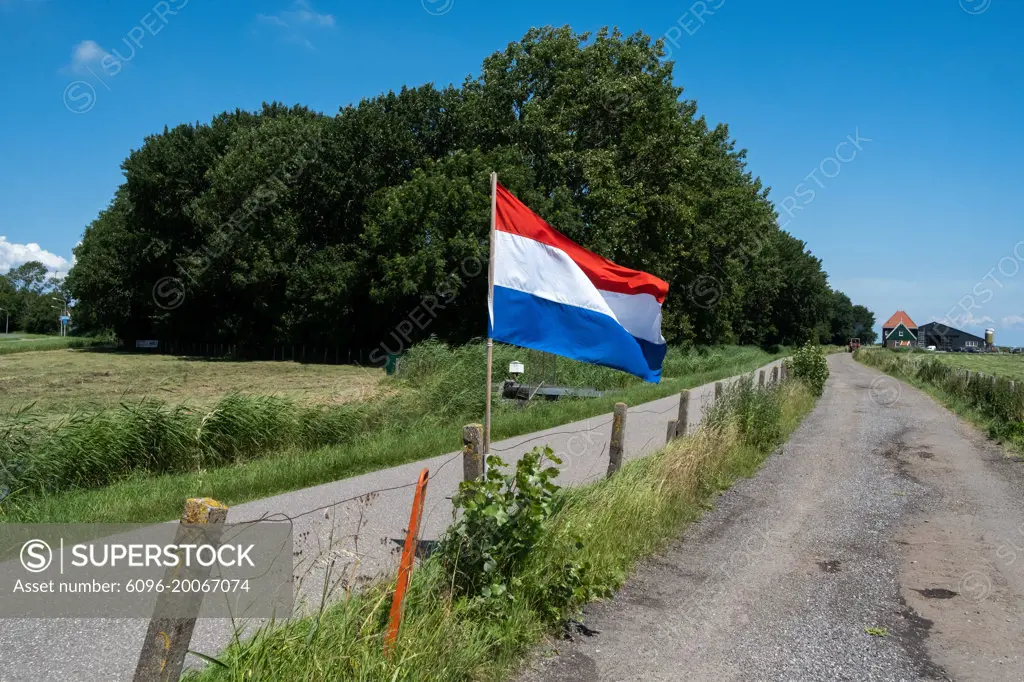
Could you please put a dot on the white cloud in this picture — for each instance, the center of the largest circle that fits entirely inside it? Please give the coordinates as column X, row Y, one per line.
column 968, row 319
column 304, row 14
column 85, row 55
column 292, row 22
column 13, row 255
column 1013, row 320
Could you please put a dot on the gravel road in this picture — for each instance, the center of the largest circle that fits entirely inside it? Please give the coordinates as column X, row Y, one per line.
column 884, row 511
column 363, row 535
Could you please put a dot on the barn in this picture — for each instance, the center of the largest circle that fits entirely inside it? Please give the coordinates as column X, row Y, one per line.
column 899, row 331
column 944, row 337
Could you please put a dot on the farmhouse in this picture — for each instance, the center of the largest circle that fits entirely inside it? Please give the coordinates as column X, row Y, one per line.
column 899, row 331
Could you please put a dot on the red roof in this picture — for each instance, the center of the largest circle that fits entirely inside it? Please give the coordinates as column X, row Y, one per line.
column 900, row 317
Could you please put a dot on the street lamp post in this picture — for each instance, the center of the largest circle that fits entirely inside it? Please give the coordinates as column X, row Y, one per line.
column 63, row 315
column 60, row 318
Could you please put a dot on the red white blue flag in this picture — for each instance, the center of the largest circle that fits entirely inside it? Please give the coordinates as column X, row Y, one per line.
column 553, row 295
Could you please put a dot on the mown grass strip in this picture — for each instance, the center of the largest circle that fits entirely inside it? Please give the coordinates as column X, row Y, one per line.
column 606, row 526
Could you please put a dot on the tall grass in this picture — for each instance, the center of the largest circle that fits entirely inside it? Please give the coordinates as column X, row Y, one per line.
column 137, row 461
column 94, row 449
column 450, row 380
column 608, row 526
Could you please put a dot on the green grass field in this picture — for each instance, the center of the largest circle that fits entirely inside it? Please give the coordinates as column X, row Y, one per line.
column 1003, row 365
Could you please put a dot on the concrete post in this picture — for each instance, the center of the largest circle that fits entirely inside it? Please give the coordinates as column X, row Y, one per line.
column 670, row 433
column 683, row 418
column 760, row 379
column 472, row 446
column 775, row 374
column 718, row 390
column 618, row 438
column 169, row 633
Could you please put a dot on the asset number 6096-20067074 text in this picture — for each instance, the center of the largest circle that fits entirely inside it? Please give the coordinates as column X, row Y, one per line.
column 186, row 585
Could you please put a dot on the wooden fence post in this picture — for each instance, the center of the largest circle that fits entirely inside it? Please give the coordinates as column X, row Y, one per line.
column 683, row 418
column 472, row 446
column 412, row 538
column 670, row 434
column 718, row 390
column 775, row 374
column 760, row 379
column 618, row 438
column 169, row 634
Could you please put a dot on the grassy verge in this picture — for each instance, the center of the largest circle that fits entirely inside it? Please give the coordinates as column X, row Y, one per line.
column 996, row 407
column 419, row 417
column 587, row 547
column 32, row 343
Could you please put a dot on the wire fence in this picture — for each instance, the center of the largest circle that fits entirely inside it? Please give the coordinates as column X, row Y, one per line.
column 515, row 443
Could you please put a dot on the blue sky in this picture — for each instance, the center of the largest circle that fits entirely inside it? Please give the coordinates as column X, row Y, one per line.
column 918, row 210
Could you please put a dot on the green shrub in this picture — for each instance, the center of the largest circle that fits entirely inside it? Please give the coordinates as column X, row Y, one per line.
column 504, row 518
column 810, row 366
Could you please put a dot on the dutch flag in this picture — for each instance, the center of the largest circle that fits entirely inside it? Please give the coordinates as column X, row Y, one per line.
column 553, row 295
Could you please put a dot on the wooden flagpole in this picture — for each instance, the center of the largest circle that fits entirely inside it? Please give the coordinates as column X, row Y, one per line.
column 490, row 313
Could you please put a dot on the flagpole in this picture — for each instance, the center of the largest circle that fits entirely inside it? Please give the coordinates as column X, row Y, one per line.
column 490, row 313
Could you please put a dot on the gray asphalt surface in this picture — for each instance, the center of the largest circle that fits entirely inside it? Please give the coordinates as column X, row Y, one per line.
column 883, row 511
column 362, row 536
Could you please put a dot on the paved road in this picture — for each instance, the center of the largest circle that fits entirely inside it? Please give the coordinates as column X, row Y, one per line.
column 362, row 536
column 883, row 511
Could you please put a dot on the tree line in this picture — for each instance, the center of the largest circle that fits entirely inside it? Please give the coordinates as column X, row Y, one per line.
column 32, row 299
column 289, row 226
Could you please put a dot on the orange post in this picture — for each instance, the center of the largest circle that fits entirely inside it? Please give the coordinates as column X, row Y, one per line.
column 412, row 539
